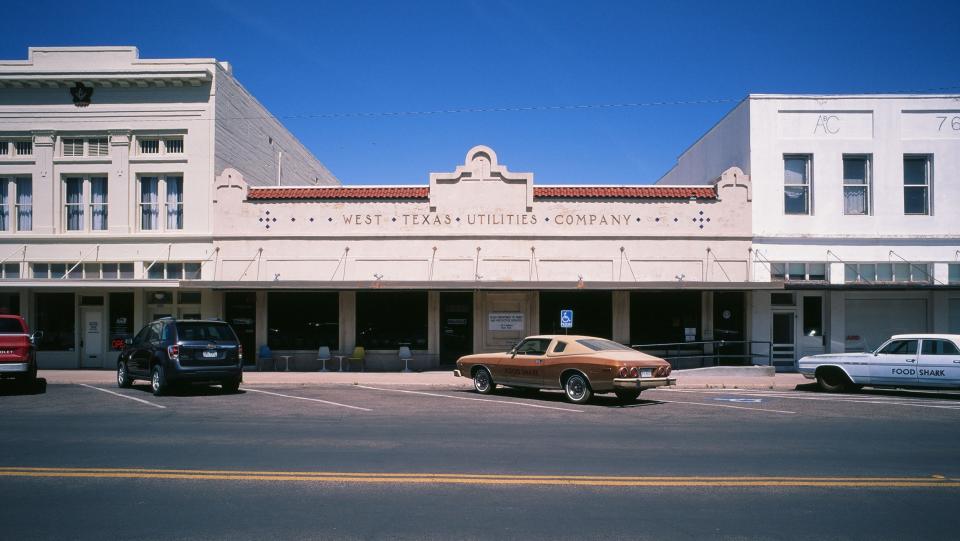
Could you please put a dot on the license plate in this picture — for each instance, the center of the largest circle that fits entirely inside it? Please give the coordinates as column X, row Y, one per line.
column 209, row 354
column 646, row 372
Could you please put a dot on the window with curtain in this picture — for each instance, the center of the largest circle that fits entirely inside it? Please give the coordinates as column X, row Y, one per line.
column 856, row 185
column 916, row 185
column 74, row 203
column 98, row 203
column 24, row 204
column 174, row 202
column 796, row 184
column 4, row 202
column 149, row 203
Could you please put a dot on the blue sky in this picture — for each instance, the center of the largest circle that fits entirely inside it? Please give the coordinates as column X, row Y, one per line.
column 310, row 60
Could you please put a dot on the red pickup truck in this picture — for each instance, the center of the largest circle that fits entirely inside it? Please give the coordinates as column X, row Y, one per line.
column 18, row 354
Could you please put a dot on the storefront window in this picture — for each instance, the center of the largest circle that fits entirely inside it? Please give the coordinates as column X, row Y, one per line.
column 592, row 312
column 55, row 317
column 121, row 319
column 303, row 320
column 664, row 317
column 390, row 319
column 10, row 303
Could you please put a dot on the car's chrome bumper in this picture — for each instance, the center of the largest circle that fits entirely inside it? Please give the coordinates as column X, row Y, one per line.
column 643, row 383
column 14, row 367
column 457, row 374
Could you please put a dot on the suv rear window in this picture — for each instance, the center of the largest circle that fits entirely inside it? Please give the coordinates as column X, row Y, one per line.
column 204, row 331
column 10, row 326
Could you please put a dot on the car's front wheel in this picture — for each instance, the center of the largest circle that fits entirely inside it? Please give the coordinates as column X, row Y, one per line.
column 577, row 389
column 123, row 375
column 158, row 380
column 627, row 396
column 483, row 382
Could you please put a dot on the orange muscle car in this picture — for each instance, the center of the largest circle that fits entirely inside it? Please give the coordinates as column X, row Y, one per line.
column 580, row 365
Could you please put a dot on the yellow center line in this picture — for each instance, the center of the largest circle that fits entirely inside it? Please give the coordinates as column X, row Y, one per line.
column 483, row 479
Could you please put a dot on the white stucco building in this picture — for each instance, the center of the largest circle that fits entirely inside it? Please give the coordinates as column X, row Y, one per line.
column 107, row 163
column 854, row 212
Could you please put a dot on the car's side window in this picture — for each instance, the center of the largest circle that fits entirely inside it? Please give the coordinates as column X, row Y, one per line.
column 940, row 347
column 534, row 346
column 900, row 347
column 142, row 335
column 154, row 333
column 559, row 347
column 166, row 334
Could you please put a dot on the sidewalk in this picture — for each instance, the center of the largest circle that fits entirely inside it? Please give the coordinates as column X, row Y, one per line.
column 686, row 379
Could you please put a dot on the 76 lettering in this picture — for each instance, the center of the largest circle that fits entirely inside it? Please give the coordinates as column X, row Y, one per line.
column 954, row 123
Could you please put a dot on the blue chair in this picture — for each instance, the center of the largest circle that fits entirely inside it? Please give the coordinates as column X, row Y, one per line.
column 264, row 355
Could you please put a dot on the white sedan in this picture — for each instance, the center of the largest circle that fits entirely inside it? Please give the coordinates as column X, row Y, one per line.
column 905, row 360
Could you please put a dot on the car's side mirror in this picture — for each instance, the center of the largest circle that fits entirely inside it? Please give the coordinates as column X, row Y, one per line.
column 128, row 341
column 37, row 336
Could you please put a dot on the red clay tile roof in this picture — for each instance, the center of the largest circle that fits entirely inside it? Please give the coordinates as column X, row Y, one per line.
column 625, row 192
column 341, row 193
column 539, row 192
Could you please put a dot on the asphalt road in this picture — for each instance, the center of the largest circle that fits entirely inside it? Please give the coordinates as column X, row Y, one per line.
column 354, row 462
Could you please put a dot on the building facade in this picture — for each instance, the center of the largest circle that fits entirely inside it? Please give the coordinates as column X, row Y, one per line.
column 133, row 189
column 107, row 164
column 854, row 212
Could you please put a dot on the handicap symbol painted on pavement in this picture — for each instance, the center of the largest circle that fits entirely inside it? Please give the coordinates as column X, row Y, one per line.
column 741, row 400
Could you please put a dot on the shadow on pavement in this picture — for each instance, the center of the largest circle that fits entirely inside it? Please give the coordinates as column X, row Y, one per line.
column 938, row 394
column 14, row 388
column 604, row 400
column 187, row 390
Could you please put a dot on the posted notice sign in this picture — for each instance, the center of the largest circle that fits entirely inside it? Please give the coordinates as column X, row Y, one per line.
column 566, row 319
column 505, row 321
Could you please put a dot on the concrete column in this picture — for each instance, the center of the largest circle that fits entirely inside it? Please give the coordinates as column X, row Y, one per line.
column 838, row 322
column 45, row 205
column 837, row 274
column 940, row 308
column 706, row 315
column 760, row 327
column 621, row 316
column 211, row 303
column 348, row 321
column 479, row 322
column 534, row 313
column 121, row 188
column 139, row 308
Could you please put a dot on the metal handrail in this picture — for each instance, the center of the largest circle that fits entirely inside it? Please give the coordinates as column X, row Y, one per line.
column 715, row 357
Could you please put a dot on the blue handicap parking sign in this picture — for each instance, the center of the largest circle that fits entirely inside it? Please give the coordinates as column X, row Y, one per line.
column 566, row 319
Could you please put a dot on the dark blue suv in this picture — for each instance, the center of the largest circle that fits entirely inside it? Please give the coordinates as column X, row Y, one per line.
column 170, row 351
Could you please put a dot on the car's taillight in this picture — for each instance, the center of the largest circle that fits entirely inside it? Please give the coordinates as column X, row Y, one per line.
column 173, row 352
column 240, row 353
column 623, row 371
column 634, row 373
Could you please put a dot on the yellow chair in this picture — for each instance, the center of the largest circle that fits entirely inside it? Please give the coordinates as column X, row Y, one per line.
column 358, row 355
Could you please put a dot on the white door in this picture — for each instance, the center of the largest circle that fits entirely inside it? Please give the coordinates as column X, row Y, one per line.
column 784, row 340
column 92, row 350
column 939, row 364
column 895, row 363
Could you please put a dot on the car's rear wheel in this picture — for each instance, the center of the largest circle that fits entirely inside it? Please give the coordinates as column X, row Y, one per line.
column 158, row 380
column 230, row 386
column 832, row 380
column 577, row 389
column 483, row 382
column 627, row 396
column 123, row 375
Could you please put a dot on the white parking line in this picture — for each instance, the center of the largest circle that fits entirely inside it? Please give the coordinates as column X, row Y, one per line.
column 890, row 401
column 723, row 406
column 508, row 402
column 123, row 396
column 248, row 389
